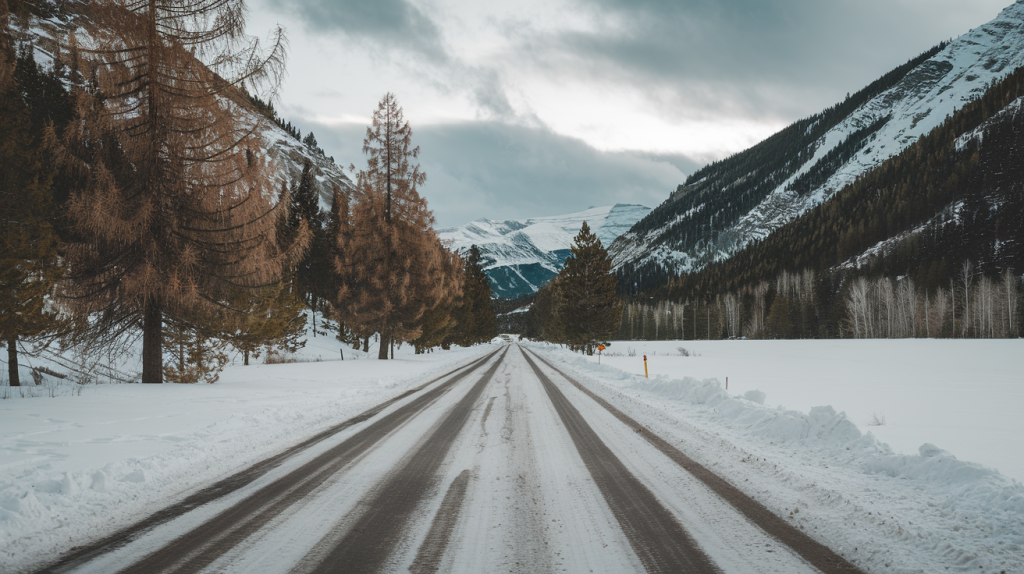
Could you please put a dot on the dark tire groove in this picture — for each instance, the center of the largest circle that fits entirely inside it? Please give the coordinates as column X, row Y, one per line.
column 372, row 538
column 235, row 523
column 814, row 552
column 660, row 542
column 428, row 559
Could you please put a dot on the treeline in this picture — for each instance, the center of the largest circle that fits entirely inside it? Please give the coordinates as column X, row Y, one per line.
column 579, row 307
column 805, row 305
column 713, row 198
column 135, row 206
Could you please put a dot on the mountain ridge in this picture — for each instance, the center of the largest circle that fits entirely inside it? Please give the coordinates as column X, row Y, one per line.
column 522, row 255
column 731, row 203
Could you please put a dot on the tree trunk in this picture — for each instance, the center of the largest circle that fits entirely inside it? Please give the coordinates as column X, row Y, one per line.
column 12, row 361
column 246, row 353
column 392, row 348
column 152, row 344
column 382, row 354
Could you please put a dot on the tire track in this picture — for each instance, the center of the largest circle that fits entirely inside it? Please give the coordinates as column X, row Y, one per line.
column 659, row 541
column 370, row 541
column 204, row 544
column 428, row 559
column 814, row 552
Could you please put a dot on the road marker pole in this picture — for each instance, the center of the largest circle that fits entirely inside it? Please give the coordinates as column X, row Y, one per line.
column 645, row 368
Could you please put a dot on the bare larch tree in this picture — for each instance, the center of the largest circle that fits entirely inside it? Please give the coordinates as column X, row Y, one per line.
column 391, row 264
column 177, row 207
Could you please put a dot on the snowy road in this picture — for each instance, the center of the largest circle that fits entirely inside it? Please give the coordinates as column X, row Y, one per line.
column 503, row 465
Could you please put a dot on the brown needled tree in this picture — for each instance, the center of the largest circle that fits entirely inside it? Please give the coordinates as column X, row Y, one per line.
column 178, row 209
column 391, row 264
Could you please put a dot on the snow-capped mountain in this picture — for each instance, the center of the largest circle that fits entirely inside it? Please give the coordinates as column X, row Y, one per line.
column 523, row 255
column 727, row 205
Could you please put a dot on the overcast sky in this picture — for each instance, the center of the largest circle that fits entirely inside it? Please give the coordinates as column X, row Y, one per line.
column 540, row 107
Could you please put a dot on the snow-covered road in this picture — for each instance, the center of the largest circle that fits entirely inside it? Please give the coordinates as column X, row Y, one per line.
column 502, row 466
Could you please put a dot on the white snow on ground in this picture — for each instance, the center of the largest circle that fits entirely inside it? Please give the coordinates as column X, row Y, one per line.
column 965, row 396
column 912, row 509
column 77, row 467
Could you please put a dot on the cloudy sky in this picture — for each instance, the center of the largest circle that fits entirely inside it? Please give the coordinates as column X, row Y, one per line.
column 540, row 107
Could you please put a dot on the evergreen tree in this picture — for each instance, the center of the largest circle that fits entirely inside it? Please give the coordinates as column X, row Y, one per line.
column 266, row 320
column 591, row 310
column 176, row 209
column 28, row 244
column 314, row 271
column 195, row 353
column 474, row 316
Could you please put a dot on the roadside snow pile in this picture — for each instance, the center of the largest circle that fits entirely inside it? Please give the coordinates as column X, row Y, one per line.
column 821, row 429
column 914, row 513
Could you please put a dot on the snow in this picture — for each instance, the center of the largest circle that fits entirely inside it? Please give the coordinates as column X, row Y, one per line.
column 928, row 390
column 936, row 488
column 903, row 503
column 76, row 467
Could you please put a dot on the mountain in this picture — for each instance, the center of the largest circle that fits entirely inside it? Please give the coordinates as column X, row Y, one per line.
column 522, row 255
column 945, row 213
column 729, row 204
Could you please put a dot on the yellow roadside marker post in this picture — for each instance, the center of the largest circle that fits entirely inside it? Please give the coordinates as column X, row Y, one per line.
column 645, row 367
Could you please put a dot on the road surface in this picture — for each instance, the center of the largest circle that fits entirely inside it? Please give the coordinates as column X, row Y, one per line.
column 503, row 465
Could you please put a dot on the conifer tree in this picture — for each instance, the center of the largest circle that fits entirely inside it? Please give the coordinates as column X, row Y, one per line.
column 438, row 324
column 390, row 262
column 591, row 310
column 177, row 209
column 265, row 320
column 28, row 244
column 312, row 277
column 474, row 316
column 196, row 353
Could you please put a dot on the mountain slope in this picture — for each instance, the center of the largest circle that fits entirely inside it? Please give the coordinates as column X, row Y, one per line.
column 729, row 204
column 955, row 195
column 522, row 255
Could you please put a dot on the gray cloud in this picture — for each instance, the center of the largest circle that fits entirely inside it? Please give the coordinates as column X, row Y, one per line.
column 759, row 59
column 393, row 24
column 500, row 171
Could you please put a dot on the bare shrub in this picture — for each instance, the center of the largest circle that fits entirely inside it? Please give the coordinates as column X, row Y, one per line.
column 876, row 420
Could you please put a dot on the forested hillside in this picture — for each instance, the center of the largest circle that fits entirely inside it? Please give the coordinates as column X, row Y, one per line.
column 940, row 224
column 729, row 204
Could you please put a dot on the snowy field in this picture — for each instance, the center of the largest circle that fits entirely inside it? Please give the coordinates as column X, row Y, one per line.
column 964, row 396
column 76, row 467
